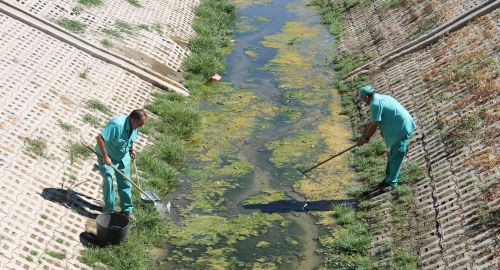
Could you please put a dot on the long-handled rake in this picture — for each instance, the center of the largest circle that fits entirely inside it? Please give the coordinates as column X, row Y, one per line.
column 326, row 160
column 147, row 194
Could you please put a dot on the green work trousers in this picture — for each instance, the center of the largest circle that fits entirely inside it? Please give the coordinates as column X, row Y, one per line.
column 124, row 187
column 395, row 160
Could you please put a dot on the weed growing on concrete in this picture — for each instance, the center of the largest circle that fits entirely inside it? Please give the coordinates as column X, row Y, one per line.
column 106, row 43
column 57, row 255
column 393, row 4
column 35, row 147
column 90, row 2
column 77, row 151
column 112, row 32
column 64, row 126
column 29, row 258
column 91, row 120
column 97, row 105
column 424, row 27
column 72, row 25
column 44, row 216
column 135, row 3
column 84, row 74
column 77, row 10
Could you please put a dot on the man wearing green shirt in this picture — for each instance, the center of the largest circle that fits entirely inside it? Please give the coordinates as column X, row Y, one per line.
column 396, row 126
column 115, row 145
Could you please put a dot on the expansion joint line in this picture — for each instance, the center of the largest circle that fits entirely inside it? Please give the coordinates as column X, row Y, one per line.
column 435, row 202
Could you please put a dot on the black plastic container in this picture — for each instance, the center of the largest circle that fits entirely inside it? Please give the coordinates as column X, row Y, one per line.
column 112, row 228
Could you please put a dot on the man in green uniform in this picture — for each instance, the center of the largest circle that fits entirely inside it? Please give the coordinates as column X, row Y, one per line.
column 396, row 126
column 115, row 145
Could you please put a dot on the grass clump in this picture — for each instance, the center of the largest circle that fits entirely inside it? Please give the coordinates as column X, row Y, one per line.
column 332, row 13
column 465, row 131
column 57, row 255
column 72, row 25
column 65, row 126
column 90, row 2
column 424, row 27
column 78, row 151
column 106, row 43
column 393, row 4
column 135, row 3
column 84, row 74
column 35, row 147
column 91, row 120
column 97, row 105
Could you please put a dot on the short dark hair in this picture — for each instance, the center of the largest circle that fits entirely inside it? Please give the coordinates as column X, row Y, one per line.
column 137, row 114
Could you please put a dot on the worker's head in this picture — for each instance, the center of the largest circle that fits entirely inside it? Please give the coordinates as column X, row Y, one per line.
column 138, row 118
column 366, row 93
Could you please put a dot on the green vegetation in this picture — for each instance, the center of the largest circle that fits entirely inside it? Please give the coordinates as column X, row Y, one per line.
column 85, row 74
column 157, row 27
column 35, row 147
column 465, row 131
column 97, row 105
column 29, row 258
column 176, row 116
column 44, row 216
column 91, row 120
column 106, row 43
column 332, row 13
column 393, row 4
column 90, row 2
column 213, row 28
column 78, row 9
column 65, row 126
column 57, row 255
column 59, row 240
column 135, row 3
column 72, row 25
column 424, row 27
column 112, row 32
column 34, row 252
column 78, row 151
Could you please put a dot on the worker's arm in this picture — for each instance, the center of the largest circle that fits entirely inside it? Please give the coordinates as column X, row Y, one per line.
column 100, row 144
column 132, row 151
column 368, row 133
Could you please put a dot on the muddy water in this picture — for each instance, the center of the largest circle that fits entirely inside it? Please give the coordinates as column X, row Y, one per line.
column 274, row 112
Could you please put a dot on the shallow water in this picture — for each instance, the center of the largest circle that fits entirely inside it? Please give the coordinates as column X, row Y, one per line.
column 274, row 112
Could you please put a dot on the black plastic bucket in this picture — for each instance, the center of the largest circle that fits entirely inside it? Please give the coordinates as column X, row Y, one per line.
column 112, row 228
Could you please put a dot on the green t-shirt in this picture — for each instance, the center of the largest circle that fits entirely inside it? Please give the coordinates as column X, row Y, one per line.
column 394, row 120
column 118, row 136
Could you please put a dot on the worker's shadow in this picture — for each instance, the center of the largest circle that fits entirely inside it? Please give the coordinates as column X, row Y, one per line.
column 71, row 199
column 286, row 206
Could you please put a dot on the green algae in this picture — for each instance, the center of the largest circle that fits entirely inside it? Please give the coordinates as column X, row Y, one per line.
column 262, row 19
column 262, row 244
column 266, row 196
column 244, row 3
column 251, row 54
column 244, row 25
column 210, row 230
column 295, row 150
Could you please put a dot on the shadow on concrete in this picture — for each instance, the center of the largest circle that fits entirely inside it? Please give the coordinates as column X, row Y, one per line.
column 286, row 206
column 71, row 199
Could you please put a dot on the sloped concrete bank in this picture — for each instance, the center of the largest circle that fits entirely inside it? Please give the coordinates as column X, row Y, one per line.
column 451, row 89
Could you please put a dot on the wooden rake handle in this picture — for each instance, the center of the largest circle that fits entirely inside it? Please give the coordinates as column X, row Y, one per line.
column 122, row 174
column 330, row 158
